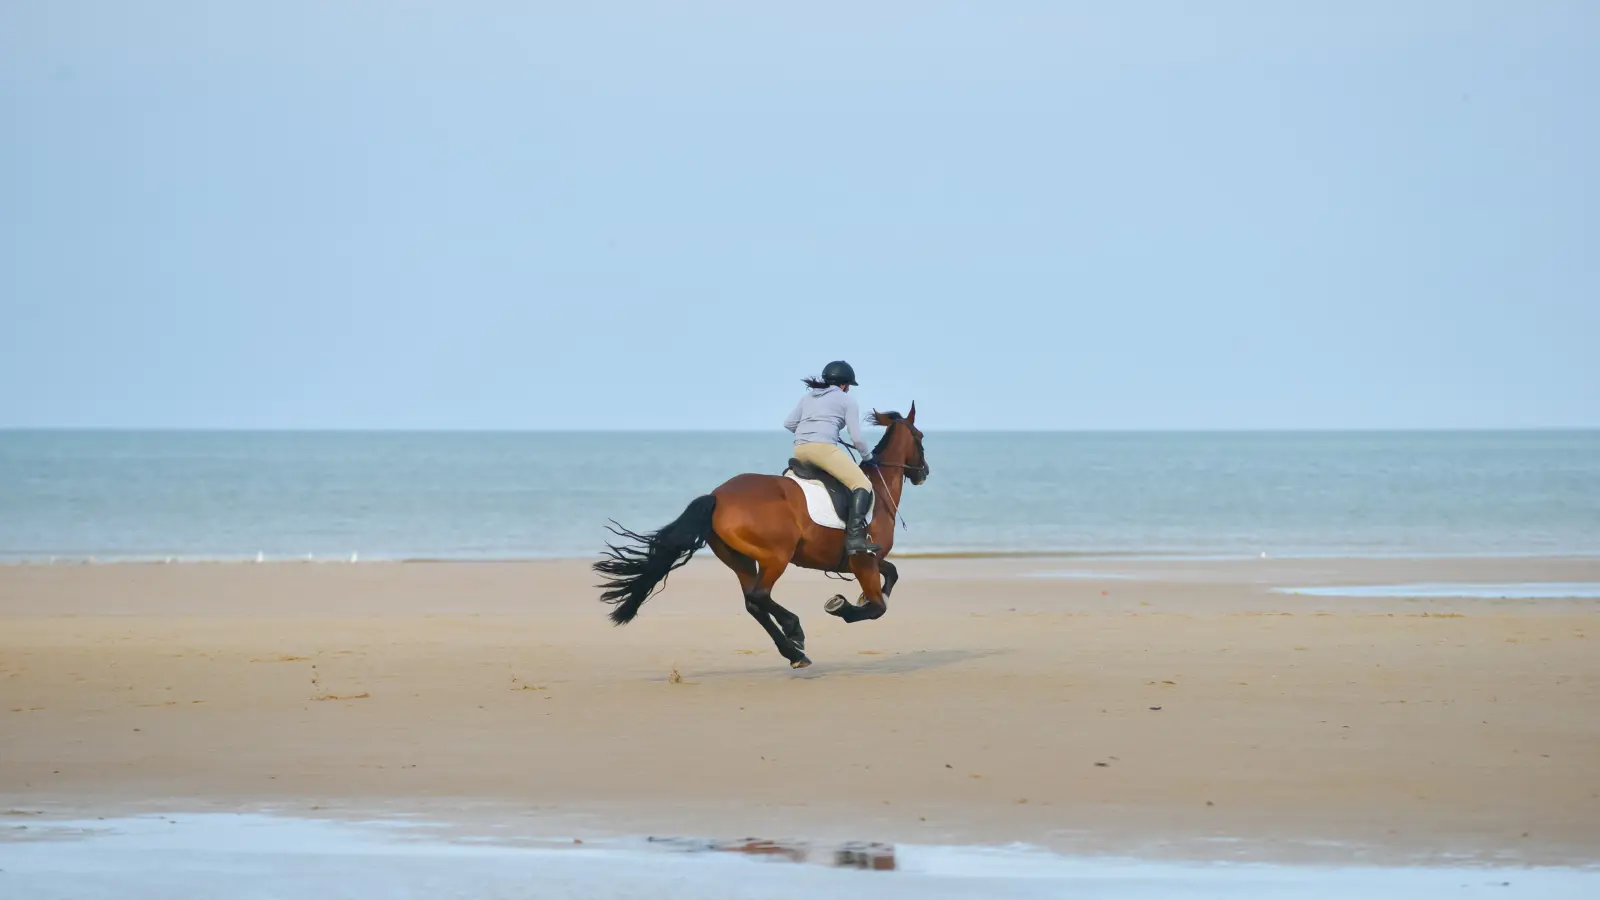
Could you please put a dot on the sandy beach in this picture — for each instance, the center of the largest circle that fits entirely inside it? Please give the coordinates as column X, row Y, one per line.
column 1178, row 708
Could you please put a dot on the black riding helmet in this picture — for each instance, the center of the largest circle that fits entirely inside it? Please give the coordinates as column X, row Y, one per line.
column 839, row 372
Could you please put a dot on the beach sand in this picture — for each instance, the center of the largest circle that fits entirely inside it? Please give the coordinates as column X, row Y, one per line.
column 1177, row 708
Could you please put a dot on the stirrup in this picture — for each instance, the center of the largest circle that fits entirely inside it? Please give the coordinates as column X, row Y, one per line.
column 861, row 543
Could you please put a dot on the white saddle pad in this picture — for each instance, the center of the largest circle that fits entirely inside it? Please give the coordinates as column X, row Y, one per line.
column 818, row 503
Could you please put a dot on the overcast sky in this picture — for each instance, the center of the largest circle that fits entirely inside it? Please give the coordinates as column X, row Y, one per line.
column 640, row 215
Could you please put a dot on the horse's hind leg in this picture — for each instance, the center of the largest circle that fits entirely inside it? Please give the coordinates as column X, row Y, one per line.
column 757, row 608
column 770, row 571
column 785, row 631
column 756, row 583
column 743, row 566
column 788, row 621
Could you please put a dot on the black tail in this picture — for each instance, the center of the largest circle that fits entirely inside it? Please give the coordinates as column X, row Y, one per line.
column 636, row 573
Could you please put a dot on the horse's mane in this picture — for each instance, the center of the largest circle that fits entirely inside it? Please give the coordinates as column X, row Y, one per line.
column 884, row 420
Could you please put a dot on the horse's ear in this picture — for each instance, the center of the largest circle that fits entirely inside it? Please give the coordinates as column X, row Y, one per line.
column 911, row 417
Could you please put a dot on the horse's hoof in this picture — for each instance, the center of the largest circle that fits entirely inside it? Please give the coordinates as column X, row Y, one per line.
column 835, row 605
column 800, row 663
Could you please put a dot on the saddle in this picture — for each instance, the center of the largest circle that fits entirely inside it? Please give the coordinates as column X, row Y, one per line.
column 837, row 492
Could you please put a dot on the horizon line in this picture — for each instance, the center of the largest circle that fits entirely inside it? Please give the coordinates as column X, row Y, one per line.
column 253, row 429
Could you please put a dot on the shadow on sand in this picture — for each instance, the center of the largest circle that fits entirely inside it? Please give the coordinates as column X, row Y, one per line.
column 888, row 664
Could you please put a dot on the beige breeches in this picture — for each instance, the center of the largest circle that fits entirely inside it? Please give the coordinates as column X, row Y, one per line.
column 832, row 459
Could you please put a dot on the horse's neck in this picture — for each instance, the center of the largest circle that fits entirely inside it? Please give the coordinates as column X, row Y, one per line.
column 893, row 481
column 892, row 477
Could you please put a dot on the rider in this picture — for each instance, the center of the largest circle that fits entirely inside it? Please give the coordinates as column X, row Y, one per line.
column 816, row 422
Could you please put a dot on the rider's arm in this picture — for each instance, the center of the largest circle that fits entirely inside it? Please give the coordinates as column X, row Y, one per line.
column 793, row 421
column 852, row 416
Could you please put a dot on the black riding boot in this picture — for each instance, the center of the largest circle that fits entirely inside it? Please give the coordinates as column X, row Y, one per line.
column 855, row 533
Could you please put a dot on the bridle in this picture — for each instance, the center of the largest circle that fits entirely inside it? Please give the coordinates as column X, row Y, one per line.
column 917, row 471
column 913, row 472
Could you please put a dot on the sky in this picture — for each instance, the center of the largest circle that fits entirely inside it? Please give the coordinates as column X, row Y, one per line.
column 1021, row 215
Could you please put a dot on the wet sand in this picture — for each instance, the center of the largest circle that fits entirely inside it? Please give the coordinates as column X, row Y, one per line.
column 245, row 856
column 1173, row 708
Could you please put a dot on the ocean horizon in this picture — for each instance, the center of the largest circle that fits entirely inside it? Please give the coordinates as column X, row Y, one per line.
column 209, row 494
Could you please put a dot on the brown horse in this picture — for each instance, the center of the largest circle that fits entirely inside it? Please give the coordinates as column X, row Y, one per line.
column 758, row 526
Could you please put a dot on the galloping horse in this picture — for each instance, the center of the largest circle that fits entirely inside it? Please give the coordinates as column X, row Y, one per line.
column 758, row 526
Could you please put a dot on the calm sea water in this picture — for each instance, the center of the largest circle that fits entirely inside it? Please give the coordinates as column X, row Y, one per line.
column 121, row 495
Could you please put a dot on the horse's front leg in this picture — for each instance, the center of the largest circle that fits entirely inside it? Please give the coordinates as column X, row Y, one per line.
column 873, row 604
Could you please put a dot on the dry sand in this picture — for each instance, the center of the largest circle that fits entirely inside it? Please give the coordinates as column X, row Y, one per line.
column 1184, row 710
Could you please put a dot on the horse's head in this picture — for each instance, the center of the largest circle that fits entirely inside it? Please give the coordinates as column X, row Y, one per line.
column 901, row 446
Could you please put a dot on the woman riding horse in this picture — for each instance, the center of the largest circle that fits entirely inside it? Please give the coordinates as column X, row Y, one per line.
column 759, row 525
column 816, row 422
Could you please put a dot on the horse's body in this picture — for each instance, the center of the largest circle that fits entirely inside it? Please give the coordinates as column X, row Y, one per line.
column 758, row 525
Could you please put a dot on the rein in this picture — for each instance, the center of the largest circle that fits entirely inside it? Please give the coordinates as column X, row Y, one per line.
column 877, row 467
column 894, row 508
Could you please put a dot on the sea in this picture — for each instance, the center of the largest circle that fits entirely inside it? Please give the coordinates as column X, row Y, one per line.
column 106, row 496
